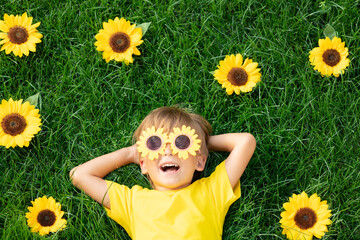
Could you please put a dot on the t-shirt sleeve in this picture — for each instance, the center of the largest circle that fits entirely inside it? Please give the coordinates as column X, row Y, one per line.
column 224, row 194
column 120, row 205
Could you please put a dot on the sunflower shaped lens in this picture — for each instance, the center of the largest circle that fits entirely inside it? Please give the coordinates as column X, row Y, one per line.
column 182, row 142
column 151, row 143
column 154, row 143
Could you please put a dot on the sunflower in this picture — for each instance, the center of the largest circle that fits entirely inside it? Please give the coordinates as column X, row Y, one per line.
column 45, row 216
column 118, row 40
column 18, row 123
column 236, row 75
column 152, row 143
column 19, row 34
column 330, row 57
column 184, row 141
column 305, row 217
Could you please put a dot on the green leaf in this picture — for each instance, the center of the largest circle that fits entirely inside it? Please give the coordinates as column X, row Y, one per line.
column 144, row 27
column 33, row 100
column 329, row 32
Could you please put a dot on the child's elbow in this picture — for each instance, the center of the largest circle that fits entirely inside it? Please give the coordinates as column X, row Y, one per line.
column 74, row 176
column 250, row 140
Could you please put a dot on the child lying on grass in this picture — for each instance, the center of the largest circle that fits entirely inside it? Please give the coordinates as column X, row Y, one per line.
column 171, row 145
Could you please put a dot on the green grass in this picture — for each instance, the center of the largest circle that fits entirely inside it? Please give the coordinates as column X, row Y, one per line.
column 306, row 126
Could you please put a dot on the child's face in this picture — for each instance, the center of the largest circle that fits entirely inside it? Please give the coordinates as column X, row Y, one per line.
column 169, row 172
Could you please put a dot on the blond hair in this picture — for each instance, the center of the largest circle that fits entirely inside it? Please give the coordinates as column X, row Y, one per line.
column 170, row 117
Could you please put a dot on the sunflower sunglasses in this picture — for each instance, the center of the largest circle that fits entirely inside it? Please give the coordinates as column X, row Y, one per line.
column 182, row 141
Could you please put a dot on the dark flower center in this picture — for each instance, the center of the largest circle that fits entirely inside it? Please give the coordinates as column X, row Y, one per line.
column 305, row 218
column 237, row 76
column 119, row 42
column 331, row 57
column 46, row 218
column 13, row 124
column 18, row 35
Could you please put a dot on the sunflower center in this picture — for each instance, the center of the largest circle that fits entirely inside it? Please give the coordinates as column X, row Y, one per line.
column 305, row 218
column 119, row 42
column 331, row 57
column 13, row 124
column 237, row 76
column 46, row 218
column 18, row 35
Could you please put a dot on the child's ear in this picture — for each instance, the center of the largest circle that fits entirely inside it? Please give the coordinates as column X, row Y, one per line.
column 143, row 166
column 200, row 162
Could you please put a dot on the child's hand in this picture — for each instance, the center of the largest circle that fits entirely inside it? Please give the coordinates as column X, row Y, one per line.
column 135, row 154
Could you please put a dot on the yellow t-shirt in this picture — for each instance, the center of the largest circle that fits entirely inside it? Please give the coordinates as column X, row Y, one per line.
column 195, row 212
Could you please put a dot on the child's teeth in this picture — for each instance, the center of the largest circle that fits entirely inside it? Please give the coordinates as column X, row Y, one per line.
column 169, row 165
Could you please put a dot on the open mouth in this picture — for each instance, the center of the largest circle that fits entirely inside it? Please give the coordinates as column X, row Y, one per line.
column 169, row 167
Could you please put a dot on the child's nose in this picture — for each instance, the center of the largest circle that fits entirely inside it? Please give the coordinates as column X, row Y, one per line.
column 168, row 149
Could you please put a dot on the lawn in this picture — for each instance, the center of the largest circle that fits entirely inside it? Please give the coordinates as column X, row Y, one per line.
column 306, row 125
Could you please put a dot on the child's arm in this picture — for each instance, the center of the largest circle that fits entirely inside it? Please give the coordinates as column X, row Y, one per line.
column 241, row 147
column 89, row 176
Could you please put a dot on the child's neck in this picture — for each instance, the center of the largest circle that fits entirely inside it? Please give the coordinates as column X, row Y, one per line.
column 166, row 189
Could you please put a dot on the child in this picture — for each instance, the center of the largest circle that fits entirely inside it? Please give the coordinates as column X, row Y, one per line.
column 171, row 145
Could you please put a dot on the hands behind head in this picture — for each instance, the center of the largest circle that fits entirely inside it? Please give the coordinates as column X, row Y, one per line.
column 135, row 154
